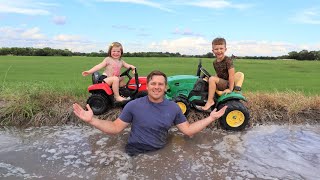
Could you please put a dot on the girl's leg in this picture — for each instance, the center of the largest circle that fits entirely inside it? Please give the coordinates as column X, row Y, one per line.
column 114, row 82
column 122, row 83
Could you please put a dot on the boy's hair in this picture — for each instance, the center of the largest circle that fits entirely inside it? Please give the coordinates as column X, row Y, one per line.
column 219, row 41
column 156, row 73
column 115, row 44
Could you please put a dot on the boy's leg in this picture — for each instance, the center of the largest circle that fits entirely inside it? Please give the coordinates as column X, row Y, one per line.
column 114, row 82
column 213, row 80
column 222, row 84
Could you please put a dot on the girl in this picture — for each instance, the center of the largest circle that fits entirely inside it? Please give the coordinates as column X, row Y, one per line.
column 113, row 64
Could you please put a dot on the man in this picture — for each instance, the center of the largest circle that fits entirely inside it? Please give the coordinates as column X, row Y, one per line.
column 150, row 117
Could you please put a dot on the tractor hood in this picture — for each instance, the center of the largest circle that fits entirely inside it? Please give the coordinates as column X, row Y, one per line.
column 180, row 85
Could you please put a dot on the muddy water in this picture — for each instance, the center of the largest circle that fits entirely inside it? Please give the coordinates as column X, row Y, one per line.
column 81, row 152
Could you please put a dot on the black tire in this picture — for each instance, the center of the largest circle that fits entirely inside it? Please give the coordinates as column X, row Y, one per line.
column 140, row 94
column 99, row 103
column 236, row 116
column 183, row 104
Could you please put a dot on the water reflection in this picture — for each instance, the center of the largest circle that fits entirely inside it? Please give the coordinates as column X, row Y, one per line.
column 81, row 152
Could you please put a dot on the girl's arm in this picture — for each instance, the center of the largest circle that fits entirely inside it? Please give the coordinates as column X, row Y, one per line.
column 126, row 65
column 97, row 67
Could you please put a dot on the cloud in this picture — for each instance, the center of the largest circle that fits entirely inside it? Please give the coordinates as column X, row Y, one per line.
column 308, row 16
column 139, row 31
column 141, row 2
column 200, row 46
column 26, row 7
column 260, row 48
column 65, row 37
column 32, row 37
column 185, row 32
column 190, row 45
column 59, row 20
column 185, row 45
column 123, row 27
column 216, row 4
column 19, row 33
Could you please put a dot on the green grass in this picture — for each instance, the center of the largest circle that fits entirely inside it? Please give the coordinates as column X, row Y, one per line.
column 63, row 74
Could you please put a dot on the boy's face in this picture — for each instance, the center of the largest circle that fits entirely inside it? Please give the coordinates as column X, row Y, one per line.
column 219, row 50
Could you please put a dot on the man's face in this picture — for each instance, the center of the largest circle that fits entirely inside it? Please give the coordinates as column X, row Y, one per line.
column 156, row 88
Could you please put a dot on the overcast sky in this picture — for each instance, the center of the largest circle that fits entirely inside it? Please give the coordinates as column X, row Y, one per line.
column 251, row 27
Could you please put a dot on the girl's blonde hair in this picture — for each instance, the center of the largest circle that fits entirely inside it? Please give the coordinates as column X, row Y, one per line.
column 114, row 44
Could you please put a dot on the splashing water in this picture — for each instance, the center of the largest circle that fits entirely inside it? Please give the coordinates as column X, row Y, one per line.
column 81, row 152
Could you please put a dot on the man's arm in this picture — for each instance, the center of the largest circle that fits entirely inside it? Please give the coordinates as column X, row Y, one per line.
column 193, row 128
column 109, row 127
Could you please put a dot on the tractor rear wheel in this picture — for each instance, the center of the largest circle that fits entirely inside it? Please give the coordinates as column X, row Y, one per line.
column 99, row 103
column 183, row 104
column 236, row 116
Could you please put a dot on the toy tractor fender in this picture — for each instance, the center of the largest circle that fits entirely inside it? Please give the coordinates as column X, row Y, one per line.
column 101, row 87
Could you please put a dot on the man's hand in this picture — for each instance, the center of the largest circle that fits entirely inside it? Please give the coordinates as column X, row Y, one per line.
column 217, row 114
column 83, row 114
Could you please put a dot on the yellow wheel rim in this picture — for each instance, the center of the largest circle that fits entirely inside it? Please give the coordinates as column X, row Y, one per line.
column 235, row 118
column 182, row 106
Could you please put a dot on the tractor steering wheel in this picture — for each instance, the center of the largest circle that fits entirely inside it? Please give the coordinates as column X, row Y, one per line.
column 126, row 72
column 205, row 73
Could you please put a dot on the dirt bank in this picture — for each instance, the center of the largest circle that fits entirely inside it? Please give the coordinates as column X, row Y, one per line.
column 277, row 108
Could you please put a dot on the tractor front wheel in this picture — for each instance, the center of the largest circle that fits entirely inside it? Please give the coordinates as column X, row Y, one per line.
column 99, row 103
column 236, row 116
column 183, row 104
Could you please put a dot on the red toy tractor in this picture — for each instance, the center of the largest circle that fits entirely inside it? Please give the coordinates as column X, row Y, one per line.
column 101, row 99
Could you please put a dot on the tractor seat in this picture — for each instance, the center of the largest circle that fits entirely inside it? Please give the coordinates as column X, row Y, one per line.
column 97, row 78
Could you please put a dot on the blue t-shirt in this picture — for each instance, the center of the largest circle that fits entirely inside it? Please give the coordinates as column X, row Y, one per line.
column 150, row 122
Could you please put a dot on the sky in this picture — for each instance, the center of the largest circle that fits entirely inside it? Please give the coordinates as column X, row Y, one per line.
column 251, row 27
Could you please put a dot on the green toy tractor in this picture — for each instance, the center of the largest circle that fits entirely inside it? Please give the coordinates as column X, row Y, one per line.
column 190, row 91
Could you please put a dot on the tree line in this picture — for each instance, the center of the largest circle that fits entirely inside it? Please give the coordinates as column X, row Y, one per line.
column 30, row 51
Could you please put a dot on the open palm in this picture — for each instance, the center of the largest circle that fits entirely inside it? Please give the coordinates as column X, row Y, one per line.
column 217, row 114
column 83, row 114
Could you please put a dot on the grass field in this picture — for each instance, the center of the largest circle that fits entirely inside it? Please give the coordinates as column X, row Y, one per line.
column 63, row 74
column 36, row 91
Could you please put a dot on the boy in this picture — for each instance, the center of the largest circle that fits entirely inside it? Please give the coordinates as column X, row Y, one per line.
column 224, row 78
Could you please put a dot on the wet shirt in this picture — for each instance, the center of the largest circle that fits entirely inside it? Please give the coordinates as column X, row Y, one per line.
column 113, row 67
column 150, row 123
column 222, row 67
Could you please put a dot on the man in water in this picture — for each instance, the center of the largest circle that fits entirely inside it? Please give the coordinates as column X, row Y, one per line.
column 150, row 117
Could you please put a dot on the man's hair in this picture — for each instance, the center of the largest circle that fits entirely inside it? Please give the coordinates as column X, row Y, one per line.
column 219, row 41
column 156, row 73
column 114, row 44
